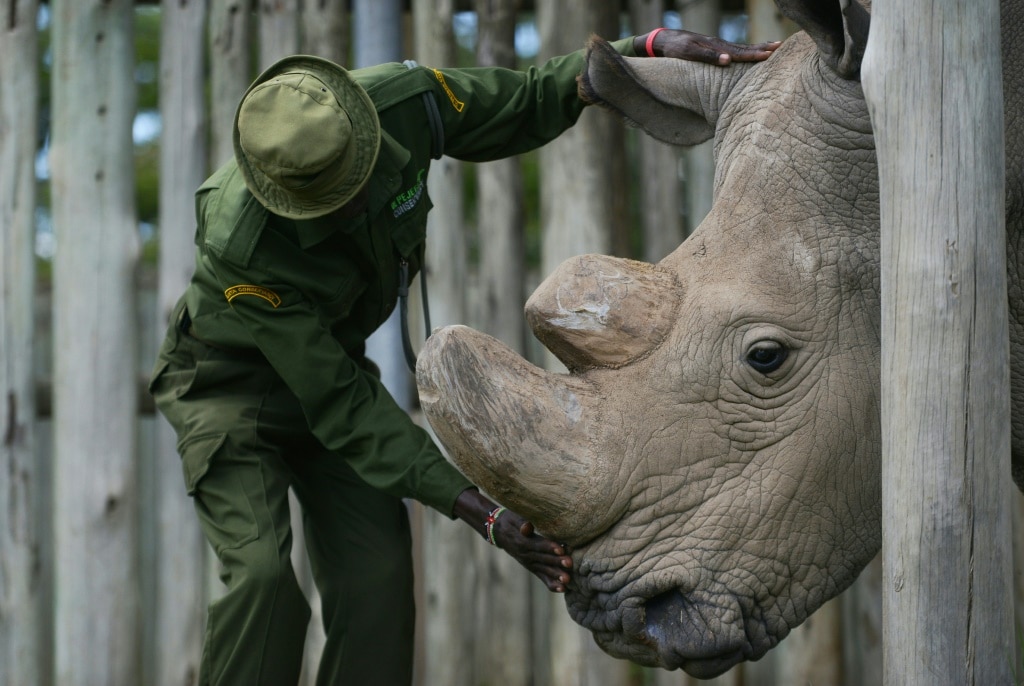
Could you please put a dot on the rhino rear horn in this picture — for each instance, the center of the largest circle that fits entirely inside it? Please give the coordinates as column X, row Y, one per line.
column 597, row 311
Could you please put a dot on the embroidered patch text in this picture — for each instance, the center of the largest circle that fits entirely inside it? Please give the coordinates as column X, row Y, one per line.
column 456, row 103
column 406, row 200
column 248, row 289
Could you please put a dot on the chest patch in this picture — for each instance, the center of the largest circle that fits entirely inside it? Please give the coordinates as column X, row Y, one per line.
column 406, row 200
column 248, row 289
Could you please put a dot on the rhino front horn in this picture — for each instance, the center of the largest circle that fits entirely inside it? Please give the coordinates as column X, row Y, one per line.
column 524, row 435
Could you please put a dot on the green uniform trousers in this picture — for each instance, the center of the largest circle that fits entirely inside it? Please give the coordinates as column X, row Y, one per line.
column 244, row 441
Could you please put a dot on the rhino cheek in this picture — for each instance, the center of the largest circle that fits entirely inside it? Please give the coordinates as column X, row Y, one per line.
column 757, row 540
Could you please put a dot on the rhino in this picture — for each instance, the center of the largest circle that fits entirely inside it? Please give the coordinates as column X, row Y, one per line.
column 713, row 455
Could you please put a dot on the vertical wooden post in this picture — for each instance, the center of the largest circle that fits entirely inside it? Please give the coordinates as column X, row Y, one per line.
column 278, row 30
column 500, row 197
column 765, row 22
column 95, row 350
column 699, row 161
column 20, row 592
column 377, row 38
column 504, row 590
column 175, row 548
column 229, row 35
column 577, row 216
column 661, row 205
column 325, row 30
column 447, row 579
column 932, row 79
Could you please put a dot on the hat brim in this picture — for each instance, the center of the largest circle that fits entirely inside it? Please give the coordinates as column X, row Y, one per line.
column 366, row 134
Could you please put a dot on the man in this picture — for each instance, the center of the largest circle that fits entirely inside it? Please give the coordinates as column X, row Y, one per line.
column 300, row 243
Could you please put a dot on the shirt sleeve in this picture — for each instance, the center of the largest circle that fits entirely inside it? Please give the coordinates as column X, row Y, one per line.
column 346, row 407
column 490, row 113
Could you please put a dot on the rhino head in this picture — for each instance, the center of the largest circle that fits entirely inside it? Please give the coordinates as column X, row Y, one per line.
column 713, row 454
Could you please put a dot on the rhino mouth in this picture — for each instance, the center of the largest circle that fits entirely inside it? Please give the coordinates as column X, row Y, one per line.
column 703, row 633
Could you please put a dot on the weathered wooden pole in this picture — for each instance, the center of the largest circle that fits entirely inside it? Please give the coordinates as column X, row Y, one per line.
column 446, row 610
column 95, row 350
column 20, row 544
column 377, row 38
column 578, row 215
column 658, row 164
column 932, row 79
column 504, row 587
column 278, row 27
column 174, row 550
column 325, row 30
column 229, row 34
column 698, row 161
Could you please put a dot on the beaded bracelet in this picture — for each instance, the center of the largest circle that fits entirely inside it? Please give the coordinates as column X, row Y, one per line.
column 492, row 517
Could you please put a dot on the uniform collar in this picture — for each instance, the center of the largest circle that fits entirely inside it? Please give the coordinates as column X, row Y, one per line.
column 384, row 182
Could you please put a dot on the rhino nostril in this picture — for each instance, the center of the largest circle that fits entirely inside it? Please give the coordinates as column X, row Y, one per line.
column 664, row 614
column 687, row 634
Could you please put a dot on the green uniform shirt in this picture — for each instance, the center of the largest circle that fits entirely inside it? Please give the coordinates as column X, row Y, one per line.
column 308, row 293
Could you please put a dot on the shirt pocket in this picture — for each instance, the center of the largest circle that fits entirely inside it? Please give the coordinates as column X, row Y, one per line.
column 409, row 230
column 337, row 303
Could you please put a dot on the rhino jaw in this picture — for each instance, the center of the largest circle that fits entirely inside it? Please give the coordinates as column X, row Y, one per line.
column 525, row 436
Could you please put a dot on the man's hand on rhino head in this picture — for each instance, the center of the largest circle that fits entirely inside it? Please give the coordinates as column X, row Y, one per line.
column 687, row 45
column 545, row 559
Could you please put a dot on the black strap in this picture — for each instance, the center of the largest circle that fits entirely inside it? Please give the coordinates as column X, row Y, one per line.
column 433, row 117
column 403, row 303
column 436, row 151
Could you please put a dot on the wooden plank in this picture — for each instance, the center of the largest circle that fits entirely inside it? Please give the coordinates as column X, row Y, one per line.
column 577, row 217
column 945, row 381
column 447, row 632
column 505, row 586
column 178, row 547
column 21, row 599
column 229, row 35
column 95, row 472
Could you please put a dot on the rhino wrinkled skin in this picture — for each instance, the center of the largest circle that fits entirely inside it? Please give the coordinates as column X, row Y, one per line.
column 713, row 457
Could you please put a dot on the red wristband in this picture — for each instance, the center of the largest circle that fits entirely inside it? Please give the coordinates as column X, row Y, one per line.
column 649, row 45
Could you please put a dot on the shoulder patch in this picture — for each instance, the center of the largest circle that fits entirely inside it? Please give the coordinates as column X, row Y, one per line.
column 456, row 103
column 248, row 289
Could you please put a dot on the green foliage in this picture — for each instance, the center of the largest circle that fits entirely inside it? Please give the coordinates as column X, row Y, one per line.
column 147, row 57
column 147, row 182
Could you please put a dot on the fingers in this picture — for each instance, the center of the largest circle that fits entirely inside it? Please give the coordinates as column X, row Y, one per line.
column 557, row 582
column 547, row 560
column 752, row 53
column 698, row 48
column 686, row 48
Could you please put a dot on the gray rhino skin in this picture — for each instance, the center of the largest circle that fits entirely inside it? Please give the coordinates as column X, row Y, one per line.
column 714, row 455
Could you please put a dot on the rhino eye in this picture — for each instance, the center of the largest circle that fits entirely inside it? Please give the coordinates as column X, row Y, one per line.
column 767, row 356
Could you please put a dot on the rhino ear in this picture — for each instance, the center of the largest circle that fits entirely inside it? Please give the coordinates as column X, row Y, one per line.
column 635, row 88
column 838, row 27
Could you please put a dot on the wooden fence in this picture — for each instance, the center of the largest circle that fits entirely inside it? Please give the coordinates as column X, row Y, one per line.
column 104, row 575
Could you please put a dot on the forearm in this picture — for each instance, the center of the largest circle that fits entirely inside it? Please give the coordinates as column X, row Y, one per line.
column 472, row 507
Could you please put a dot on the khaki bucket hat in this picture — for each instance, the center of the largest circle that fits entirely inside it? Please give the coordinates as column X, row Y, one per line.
column 306, row 137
